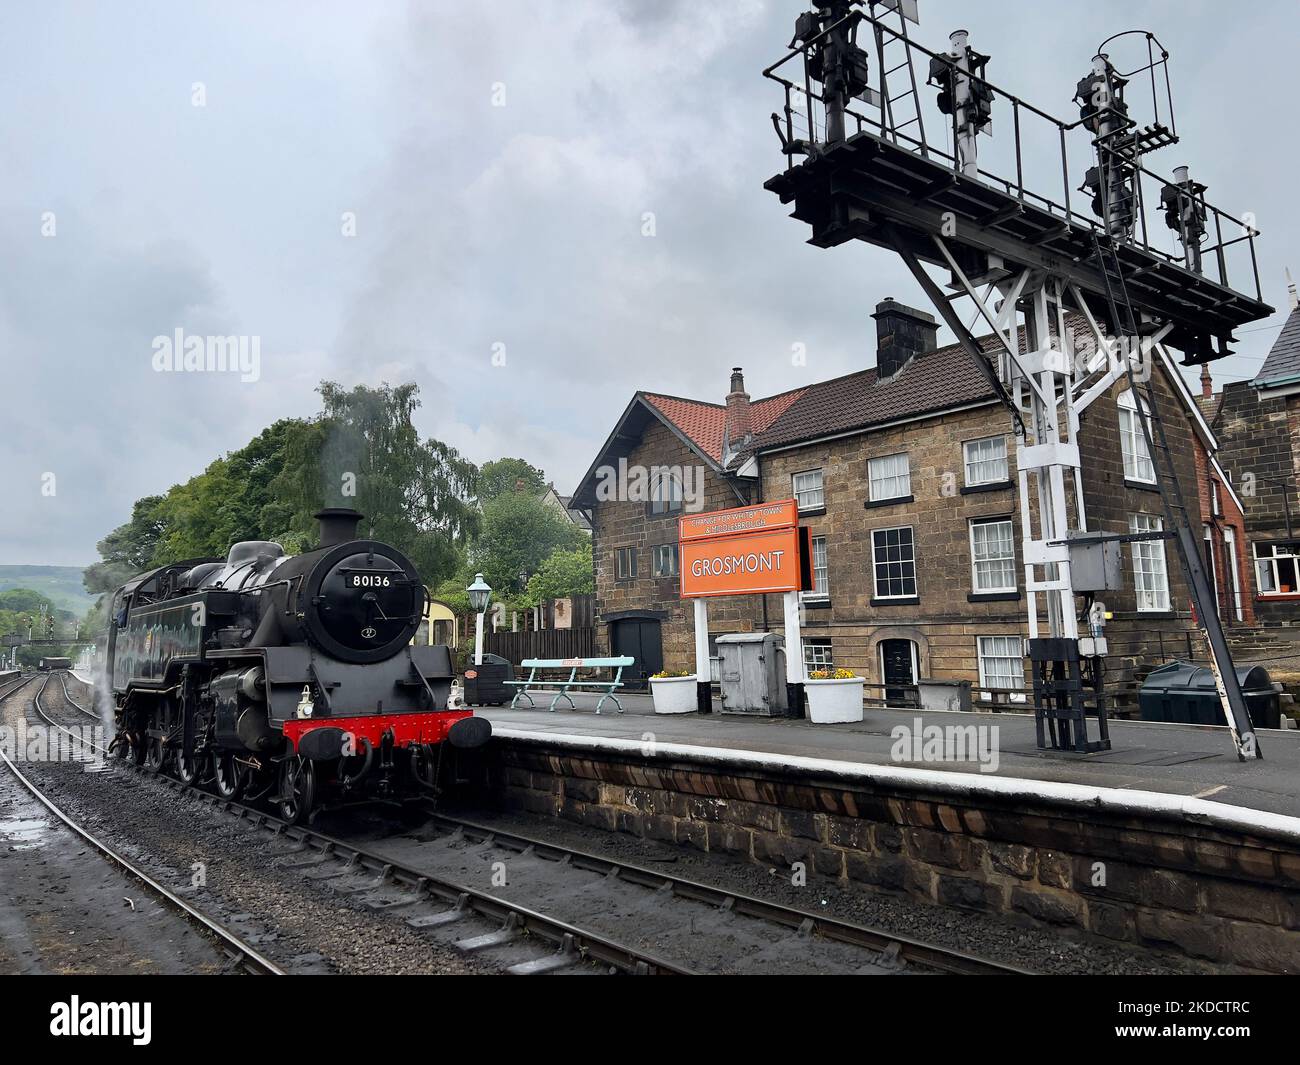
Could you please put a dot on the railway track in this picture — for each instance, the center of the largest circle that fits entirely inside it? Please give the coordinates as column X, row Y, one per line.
column 241, row 954
column 436, row 902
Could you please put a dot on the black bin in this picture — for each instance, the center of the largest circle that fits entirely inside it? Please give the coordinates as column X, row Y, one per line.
column 1185, row 692
column 485, row 684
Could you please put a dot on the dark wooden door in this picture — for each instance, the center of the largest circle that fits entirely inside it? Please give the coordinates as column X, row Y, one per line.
column 641, row 639
column 897, row 666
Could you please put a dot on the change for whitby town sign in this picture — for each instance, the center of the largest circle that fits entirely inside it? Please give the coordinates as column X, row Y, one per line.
column 744, row 551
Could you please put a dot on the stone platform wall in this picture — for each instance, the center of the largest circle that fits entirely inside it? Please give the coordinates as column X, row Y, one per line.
column 1141, row 878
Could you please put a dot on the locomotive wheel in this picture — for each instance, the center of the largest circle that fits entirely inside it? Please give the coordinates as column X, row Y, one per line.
column 297, row 789
column 228, row 776
column 153, row 754
column 187, row 769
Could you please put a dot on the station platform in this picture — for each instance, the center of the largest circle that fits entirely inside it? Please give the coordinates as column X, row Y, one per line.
column 1189, row 762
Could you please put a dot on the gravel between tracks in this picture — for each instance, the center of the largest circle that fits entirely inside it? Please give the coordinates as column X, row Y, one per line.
column 300, row 926
column 1033, row 948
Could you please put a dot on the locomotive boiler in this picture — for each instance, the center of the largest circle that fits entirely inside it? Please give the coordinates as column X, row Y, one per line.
column 289, row 677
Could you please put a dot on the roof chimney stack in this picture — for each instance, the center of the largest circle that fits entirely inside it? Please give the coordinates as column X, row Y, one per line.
column 902, row 333
column 738, row 426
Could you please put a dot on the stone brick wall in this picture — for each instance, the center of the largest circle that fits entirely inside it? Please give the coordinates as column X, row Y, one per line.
column 626, row 523
column 1259, row 439
column 1151, row 880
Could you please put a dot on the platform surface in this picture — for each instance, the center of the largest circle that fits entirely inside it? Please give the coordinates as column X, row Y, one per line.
column 1187, row 760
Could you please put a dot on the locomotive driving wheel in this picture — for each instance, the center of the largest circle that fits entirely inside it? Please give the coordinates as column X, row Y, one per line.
column 228, row 776
column 297, row 789
column 154, row 755
column 188, row 767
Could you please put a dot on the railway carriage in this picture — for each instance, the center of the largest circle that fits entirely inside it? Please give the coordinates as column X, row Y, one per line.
column 292, row 677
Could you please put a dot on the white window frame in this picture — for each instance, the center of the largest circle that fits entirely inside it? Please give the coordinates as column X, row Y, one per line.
column 973, row 463
column 1009, row 559
column 811, row 660
column 1001, row 654
column 1149, row 561
column 822, row 593
column 659, row 551
column 1132, row 443
column 873, row 479
column 876, row 564
column 621, row 553
column 671, row 502
column 1234, row 574
column 798, row 493
column 1267, row 563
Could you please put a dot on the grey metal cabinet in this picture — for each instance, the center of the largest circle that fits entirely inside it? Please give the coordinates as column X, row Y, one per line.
column 752, row 674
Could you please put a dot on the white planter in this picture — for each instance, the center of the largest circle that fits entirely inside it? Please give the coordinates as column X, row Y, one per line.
column 833, row 701
column 674, row 695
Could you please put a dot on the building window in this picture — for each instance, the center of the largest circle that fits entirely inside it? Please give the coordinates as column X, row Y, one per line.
column 890, row 477
column 893, row 557
column 808, row 490
column 817, row 655
column 1150, row 577
column 1234, row 577
column 1216, row 498
column 1132, row 444
column 665, row 493
column 1277, row 567
column 821, row 588
column 992, row 556
column 986, row 460
column 663, row 560
column 1002, row 662
column 625, row 563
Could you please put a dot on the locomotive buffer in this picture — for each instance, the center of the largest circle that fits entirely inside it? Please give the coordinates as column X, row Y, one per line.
column 860, row 166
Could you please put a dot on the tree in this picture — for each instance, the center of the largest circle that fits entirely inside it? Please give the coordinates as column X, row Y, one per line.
column 129, row 548
column 519, row 533
column 507, row 474
column 563, row 574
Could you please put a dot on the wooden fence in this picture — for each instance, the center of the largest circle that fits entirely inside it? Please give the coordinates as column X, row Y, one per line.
column 542, row 643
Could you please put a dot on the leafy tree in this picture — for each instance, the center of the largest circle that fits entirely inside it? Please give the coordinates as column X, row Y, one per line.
column 519, row 533
column 507, row 474
column 129, row 548
column 562, row 575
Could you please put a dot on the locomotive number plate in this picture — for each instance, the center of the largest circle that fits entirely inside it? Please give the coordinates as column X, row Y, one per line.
column 369, row 580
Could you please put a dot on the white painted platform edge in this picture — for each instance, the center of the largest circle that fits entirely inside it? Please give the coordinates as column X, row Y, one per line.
column 1084, row 796
column 83, row 678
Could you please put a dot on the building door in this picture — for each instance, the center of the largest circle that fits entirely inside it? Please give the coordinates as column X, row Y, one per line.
column 639, row 638
column 898, row 670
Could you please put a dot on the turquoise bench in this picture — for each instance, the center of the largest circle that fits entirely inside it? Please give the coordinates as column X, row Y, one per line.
column 535, row 683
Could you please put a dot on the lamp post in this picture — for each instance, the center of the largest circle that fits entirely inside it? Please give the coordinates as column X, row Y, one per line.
column 479, row 596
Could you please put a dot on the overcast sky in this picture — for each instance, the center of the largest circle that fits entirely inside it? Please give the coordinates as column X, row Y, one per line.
column 499, row 161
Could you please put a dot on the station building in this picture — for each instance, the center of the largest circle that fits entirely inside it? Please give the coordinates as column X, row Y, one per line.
column 905, row 474
column 1258, row 424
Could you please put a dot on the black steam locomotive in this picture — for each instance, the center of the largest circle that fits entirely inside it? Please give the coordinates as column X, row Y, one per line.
column 290, row 677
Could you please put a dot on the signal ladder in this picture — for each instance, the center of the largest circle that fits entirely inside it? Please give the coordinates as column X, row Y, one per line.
column 1177, row 520
column 887, row 43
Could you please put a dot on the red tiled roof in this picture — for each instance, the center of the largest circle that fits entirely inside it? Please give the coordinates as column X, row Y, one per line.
column 705, row 423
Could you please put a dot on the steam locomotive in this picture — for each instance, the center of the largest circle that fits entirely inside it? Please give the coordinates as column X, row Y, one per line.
column 286, row 677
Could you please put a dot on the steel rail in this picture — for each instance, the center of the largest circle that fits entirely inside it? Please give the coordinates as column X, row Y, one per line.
column 566, row 937
column 927, row 954
column 249, row 957
column 620, row 956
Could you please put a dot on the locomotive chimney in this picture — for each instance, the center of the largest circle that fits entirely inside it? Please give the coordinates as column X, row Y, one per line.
column 338, row 525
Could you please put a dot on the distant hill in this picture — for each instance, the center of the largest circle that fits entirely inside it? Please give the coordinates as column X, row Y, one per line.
column 62, row 584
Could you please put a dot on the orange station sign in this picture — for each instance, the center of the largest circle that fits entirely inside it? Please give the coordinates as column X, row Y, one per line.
column 744, row 551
